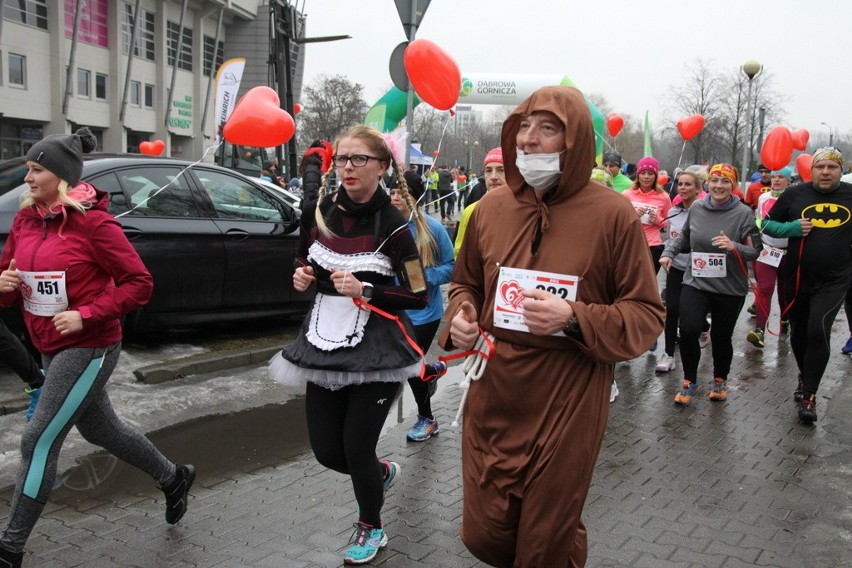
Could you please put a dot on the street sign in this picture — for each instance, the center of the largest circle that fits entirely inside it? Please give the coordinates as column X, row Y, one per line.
column 405, row 15
column 397, row 67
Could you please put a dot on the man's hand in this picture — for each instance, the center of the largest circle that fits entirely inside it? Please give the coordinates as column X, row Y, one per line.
column 806, row 225
column 666, row 262
column 545, row 313
column 464, row 328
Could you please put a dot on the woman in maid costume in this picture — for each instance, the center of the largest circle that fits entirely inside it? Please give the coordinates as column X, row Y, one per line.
column 355, row 246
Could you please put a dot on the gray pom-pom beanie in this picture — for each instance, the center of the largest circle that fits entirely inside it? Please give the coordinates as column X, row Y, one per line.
column 62, row 154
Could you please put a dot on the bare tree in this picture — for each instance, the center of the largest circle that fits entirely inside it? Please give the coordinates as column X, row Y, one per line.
column 426, row 127
column 332, row 104
column 740, row 129
column 721, row 99
column 701, row 92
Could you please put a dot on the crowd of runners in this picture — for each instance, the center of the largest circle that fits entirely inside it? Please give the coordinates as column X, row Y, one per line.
column 553, row 280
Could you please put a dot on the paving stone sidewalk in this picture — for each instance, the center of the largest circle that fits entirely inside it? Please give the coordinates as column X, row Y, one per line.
column 730, row 484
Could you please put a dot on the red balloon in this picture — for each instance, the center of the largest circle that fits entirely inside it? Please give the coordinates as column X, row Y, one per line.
column 803, row 165
column 690, row 126
column 297, row 108
column 800, row 139
column 433, row 74
column 662, row 179
column 777, row 148
column 258, row 120
column 435, row 153
column 154, row 148
column 614, row 123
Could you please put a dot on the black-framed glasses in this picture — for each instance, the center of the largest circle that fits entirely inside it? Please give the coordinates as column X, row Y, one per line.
column 358, row 160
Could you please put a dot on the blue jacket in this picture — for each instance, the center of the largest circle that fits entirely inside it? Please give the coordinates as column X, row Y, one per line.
column 435, row 275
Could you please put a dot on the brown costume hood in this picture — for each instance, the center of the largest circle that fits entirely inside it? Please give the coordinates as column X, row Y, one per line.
column 569, row 106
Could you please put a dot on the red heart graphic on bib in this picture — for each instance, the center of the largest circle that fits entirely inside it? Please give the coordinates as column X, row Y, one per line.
column 511, row 293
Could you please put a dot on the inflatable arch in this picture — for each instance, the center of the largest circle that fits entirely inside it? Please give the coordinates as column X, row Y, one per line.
column 481, row 88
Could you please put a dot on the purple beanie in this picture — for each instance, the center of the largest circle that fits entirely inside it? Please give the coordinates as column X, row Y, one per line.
column 648, row 163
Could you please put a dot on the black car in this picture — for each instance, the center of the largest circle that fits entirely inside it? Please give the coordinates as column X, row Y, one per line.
column 219, row 245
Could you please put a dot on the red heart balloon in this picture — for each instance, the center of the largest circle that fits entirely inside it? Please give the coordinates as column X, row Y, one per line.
column 297, row 108
column 614, row 123
column 258, row 120
column 804, row 163
column 800, row 139
column 690, row 126
column 777, row 148
column 154, row 148
column 433, row 74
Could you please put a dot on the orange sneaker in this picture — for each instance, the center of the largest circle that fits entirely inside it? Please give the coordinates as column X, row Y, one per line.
column 719, row 391
column 686, row 393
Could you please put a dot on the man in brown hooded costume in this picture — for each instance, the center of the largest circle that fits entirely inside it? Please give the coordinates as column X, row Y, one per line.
column 558, row 271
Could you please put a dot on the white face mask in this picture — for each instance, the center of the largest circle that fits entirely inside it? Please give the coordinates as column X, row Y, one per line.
column 539, row 170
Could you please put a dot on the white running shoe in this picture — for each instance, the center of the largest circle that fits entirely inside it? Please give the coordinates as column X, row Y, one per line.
column 613, row 393
column 704, row 339
column 666, row 364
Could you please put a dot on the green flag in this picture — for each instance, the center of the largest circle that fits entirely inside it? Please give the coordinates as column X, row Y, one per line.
column 648, row 150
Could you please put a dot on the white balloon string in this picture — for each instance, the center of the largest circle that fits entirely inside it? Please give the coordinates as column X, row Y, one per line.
column 144, row 201
column 679, row 160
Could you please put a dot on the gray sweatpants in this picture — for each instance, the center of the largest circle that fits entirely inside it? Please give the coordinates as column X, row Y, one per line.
column 74, row 394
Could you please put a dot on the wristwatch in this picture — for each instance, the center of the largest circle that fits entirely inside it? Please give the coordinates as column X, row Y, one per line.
column 366, row 291
column 573, row 326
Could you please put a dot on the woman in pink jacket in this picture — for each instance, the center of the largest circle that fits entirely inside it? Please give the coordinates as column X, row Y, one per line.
column 652, row 204
column 69, row 265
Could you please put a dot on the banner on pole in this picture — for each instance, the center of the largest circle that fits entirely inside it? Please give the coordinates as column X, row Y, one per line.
column 228, row 79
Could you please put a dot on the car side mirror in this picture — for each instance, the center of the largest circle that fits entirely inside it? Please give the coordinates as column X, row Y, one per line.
column 290, row 217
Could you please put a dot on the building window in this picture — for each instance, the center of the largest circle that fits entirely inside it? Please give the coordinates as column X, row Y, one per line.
column 135, row 93
column 211, row 65
column 149, row 95
column 100, row 86
column 17, row 70
column 84, row 83
column 28, row 12
column 144, row 47
column 185, row 61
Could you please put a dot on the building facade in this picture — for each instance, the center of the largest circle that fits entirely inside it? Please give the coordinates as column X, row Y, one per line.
column 65, row 64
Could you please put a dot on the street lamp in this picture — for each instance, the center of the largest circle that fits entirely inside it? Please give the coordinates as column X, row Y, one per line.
column 470, row 147
column 751, row 69
column 830, row 133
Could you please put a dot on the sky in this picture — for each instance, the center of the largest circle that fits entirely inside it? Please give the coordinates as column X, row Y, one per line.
column 630, row 51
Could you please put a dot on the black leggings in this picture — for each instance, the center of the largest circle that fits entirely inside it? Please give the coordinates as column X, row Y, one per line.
column 656, row 252
column 811, row 317
column 344, row 427
column 674, row 283
column 724, row 309
column 423, row 334
column 15, row 354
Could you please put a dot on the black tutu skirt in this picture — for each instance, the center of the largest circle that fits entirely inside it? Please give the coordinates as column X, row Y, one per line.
column 382, row 355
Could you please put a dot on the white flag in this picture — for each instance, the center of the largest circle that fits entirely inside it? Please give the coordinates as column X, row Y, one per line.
column 228, row 79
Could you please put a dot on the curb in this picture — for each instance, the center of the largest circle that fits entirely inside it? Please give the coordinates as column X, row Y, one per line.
column 204, row 363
